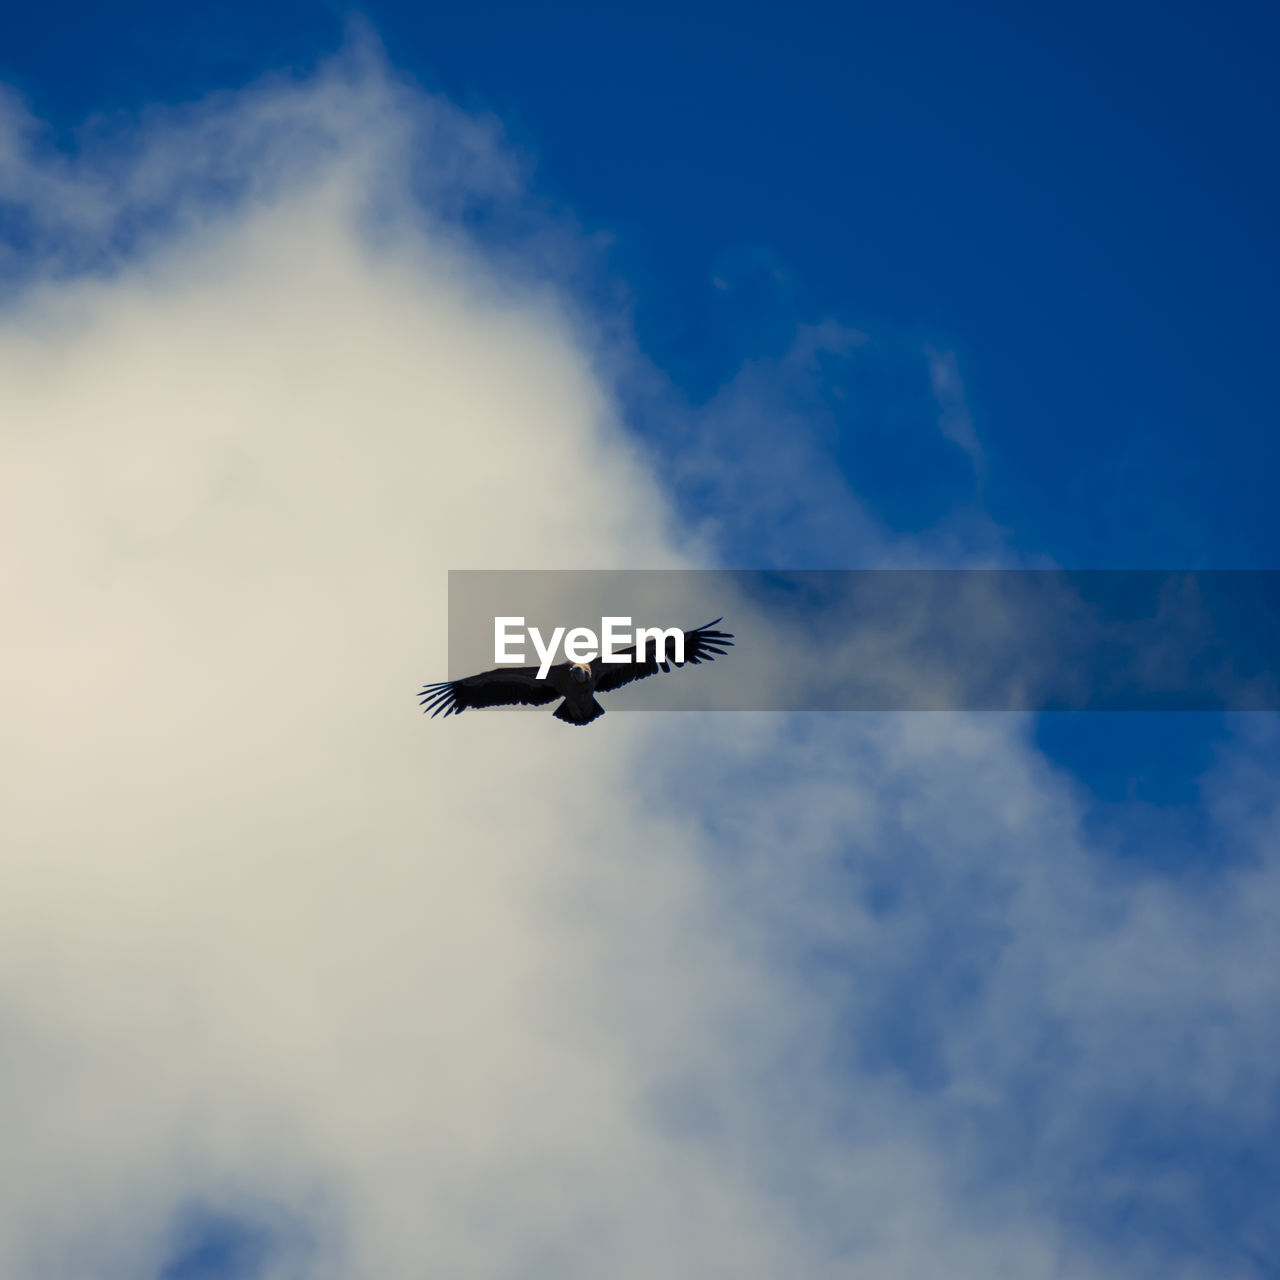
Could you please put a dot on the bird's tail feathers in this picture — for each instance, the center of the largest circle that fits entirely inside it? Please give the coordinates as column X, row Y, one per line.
column 574, row 715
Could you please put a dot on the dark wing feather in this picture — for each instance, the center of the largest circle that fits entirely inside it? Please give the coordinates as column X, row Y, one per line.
column 703, row 644
column 502, row 687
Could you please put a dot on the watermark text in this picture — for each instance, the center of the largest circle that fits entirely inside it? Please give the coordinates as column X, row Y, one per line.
column 581, row 644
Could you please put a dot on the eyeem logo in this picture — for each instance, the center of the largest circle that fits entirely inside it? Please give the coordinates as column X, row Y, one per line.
column 581, row 644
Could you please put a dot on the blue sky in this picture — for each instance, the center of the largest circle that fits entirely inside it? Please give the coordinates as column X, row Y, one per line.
column 928, row 284
column 1077, row 202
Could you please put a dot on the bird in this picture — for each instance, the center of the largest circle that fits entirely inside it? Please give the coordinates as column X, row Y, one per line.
column 577, row 683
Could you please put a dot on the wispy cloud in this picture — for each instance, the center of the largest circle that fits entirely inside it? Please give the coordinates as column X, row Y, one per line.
column 954, row 419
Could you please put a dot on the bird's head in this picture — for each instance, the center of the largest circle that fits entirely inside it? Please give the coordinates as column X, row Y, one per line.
column 581, row 672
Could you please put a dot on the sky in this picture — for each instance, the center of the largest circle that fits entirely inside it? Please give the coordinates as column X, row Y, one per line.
column 300, row 308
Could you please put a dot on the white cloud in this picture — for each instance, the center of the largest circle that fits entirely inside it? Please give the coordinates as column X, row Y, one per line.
column 494, row 997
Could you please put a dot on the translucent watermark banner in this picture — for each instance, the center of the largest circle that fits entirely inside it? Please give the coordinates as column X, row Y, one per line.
column 893, row 639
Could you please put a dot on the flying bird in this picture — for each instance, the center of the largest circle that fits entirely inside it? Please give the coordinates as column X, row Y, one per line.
column 577, row 683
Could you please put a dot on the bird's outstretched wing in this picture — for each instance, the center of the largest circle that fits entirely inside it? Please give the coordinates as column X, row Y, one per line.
column 703, row 644
column 502, row 687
